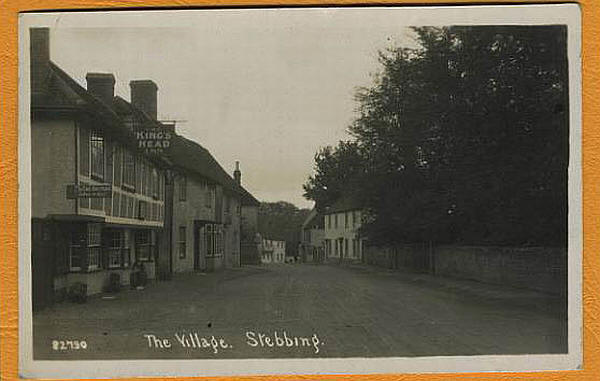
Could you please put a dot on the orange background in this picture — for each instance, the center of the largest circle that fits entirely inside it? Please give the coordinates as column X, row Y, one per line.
column 591, row 179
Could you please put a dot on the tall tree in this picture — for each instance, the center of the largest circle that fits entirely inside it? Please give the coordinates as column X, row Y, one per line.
column 465, row 139
column 337, row 170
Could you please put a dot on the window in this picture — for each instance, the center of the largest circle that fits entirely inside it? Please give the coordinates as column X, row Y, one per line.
column 77, row 249
column 346, row 220
column 336, row 220
column 97, row 155
column 354, row 218
column 94, row 247
column 155, row 190
column 118, row 249
column 117, row 168
column 146, row 178
column 97, row 203
column 346, row 247
column 213, row 239
column 116, row 200
column 182, row 242
column 123, row 206
column 126, row 250
column 129, row 170
column 84, row 151
column 208, row 201
column 329, row 220
column 131, row 207
column 182, row 188
column 143, row 245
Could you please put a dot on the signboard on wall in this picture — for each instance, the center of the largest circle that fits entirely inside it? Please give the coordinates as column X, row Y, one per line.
column 153, row 141
column 75, row 191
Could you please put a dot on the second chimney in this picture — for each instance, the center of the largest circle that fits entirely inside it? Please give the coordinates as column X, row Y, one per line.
column 102, row 86
column 39, row 40
column 237, row 174
column 144, row 95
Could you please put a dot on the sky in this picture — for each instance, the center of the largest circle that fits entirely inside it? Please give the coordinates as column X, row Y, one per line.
column 266, row 88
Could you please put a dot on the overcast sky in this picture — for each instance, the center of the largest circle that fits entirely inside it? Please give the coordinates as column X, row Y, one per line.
column 267, row 88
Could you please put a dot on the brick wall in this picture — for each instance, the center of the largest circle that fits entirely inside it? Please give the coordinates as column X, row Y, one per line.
column 538, row 268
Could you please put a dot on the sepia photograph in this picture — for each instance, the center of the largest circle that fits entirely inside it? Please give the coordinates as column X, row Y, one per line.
column 300, row 191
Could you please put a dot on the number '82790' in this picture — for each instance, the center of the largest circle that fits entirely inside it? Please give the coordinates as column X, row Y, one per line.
column 68, row 345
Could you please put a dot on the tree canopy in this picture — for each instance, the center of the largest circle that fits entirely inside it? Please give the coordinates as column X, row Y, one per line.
column 282, row 221
column 462, row 140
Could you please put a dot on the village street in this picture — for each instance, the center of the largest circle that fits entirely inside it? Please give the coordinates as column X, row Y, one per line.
column 352, row 310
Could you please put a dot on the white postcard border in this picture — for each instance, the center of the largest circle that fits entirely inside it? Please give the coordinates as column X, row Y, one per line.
column 568, row 14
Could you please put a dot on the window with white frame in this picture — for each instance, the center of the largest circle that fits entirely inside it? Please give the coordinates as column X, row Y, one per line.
column 155, row 184
column 94, row 246
column 144, row 245
column 128, row 170
column 114, row 243
column 97, row 155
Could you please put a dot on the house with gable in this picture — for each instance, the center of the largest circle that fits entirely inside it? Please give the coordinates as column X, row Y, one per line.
column 342, row 222
column 312, row 246
column 98, row 200
column 206, row 211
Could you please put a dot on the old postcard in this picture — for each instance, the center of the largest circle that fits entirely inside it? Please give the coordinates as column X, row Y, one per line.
column 300, row 191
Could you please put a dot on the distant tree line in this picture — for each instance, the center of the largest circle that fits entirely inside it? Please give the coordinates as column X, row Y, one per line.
column 461, row 140
column 282, row 221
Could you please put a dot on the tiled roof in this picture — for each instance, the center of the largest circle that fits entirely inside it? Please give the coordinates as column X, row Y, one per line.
column 192, row 157
column 60, row 91
column 248, row 199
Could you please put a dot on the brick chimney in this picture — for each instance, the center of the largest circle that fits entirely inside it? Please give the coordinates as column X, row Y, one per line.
column 237, row 174
column 169, row 126
column 102, row 86
column 144, row 95
column 39, row 45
